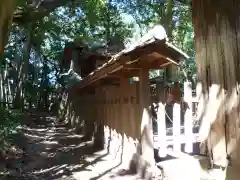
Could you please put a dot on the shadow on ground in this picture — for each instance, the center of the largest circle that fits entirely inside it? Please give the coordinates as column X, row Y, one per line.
column 49, row 151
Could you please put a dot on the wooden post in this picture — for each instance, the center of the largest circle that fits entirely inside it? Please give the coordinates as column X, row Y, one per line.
column 161, row 121
column 176, row 127
column 89, row 124
column 108, row 120
column 125, row 157
column 99, row 140
column 104, row 120
column 188, row 120
column 146, row 123
column 114, row 110
column 118, row 110
column 123, row 117
column 132, row 102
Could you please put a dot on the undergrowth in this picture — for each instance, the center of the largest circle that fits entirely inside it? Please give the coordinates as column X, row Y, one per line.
column 10, row 120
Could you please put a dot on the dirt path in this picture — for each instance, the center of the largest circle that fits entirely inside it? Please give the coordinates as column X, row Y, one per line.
column 52, row 151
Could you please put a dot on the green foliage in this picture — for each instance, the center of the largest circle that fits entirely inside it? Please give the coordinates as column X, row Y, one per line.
column 9, row 121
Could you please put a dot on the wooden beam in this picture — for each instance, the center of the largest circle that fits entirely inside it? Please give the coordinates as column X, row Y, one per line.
column 127, row 73
column 165, row 50
column 165, row 64
column 131, row 68
column 149, row 63
column 103, row 72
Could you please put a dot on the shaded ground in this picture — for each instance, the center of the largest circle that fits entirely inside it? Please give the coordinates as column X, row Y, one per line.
column 48, row 150
column 51, row 151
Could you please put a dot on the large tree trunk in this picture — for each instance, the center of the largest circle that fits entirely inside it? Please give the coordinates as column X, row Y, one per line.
column 6, row 16
column 167, row 21
column 168, row 25
column 217, row 41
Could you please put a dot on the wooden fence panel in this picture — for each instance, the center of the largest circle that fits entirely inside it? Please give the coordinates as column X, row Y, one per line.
column 178, row 137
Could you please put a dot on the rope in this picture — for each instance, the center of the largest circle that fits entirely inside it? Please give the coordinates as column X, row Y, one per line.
column 166, row 114
column 170, row 118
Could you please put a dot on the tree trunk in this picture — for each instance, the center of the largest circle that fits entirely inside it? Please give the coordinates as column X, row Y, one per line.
column 167, row 21
column 217, row 42
column 6, row 16
column 23, row 71
column 168, row 25
column 3, row 87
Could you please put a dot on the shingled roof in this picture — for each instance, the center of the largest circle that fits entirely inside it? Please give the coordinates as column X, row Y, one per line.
column 153, row 45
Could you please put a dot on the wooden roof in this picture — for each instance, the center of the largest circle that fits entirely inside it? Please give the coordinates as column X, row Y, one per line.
column 150, row 52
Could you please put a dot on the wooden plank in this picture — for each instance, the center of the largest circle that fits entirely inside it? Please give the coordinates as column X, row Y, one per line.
column 131, row 127
column 176, row 127
column 111, row 120
column 104, row 107
column 103, row 72
column 138, row 111
column 123, row 82
column 188, row 120
column 118, row 109
column 125, row 104
column 114, row 117
column 133, row 112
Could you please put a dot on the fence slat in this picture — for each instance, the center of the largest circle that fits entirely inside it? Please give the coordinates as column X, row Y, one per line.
column 162, row 130
column 176, row 127
column 161, row 119
column 188, row 119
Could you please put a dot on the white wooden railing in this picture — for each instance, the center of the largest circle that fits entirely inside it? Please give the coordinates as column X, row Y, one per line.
column 185, row 133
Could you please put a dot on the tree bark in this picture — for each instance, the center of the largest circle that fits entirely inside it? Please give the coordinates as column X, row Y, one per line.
column 168, row 18
column 217, row 42
column 6, row 16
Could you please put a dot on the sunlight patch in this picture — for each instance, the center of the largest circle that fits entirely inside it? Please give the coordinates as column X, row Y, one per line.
column 34, row 136
column 31, row 129
column 49, row 142
column 49, row 169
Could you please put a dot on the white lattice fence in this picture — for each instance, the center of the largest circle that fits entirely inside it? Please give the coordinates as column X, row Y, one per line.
column 183, row 131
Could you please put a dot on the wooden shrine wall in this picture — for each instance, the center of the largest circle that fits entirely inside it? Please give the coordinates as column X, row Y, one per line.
column 118, row 109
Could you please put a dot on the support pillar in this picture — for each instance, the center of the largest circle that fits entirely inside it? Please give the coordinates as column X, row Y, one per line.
column 161, row 121
column 99, row 140
column 147, row 146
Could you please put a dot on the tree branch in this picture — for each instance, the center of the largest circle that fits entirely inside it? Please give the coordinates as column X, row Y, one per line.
column 37, row 9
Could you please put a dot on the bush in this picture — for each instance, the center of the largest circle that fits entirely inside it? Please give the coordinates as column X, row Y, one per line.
column 9, row 121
